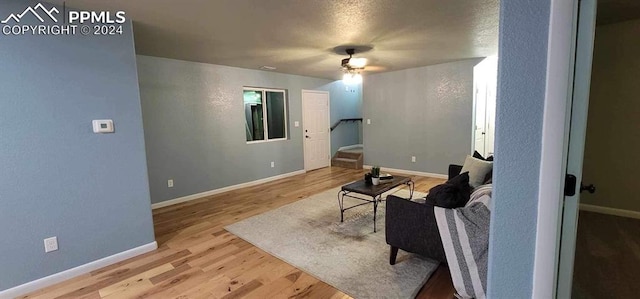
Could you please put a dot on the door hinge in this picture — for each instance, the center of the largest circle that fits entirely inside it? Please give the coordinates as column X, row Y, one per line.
column 570, row 185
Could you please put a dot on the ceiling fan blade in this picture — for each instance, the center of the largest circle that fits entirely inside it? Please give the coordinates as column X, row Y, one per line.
column 376, row 68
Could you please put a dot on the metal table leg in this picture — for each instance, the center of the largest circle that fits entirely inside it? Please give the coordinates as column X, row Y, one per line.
column 375, row 210
column 411, row 185
column 341, row 204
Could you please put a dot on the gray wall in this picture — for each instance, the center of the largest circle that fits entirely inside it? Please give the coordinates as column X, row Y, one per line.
column 58, row 178
column 611, row 152
column 520, row 101
column 424, row 112
column 195, row 128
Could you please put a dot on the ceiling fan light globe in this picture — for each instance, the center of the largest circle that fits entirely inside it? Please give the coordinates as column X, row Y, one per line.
column 357, row 62
column 357, row 78
column 351, row 78
column 346, row 78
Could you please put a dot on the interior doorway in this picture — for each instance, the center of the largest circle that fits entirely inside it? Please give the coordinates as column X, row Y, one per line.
column 607, row 250
column 599, row 255
column 315, row 126
column 485, row 78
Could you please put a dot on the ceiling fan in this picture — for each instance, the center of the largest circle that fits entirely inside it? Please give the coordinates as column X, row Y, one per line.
column 353, row 63
column 352, row 67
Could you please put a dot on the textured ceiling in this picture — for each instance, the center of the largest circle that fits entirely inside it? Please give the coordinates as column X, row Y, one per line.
column 297, row 36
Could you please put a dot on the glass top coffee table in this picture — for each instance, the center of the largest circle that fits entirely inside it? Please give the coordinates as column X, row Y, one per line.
column 370, row 193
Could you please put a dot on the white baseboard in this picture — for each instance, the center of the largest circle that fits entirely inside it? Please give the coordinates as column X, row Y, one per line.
column 610, row 211
column 73, row 272
column 191, row 197
column 410, row 172
column 348, row 147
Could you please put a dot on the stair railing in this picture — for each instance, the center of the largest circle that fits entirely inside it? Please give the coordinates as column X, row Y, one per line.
column 335, row 125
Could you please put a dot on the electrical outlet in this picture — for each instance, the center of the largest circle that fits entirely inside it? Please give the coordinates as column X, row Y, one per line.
column 413, row 159
column 273, row 164
column 368, row 121
column 170, row 183
column 296, row 124
column 50, row 244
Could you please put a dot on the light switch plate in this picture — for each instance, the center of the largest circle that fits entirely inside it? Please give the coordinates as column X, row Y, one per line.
column 102, row 126
column 296, row 123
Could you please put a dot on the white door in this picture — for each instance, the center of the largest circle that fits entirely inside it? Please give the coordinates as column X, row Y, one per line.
column 577, row 133
column 315, row 123
column 480, row 114
column 485, row 76
column 490, row 110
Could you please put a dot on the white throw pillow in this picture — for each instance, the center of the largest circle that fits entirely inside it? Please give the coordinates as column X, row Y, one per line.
column 477, row 169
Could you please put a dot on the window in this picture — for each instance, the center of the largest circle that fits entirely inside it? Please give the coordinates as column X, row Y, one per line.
column 265, row 113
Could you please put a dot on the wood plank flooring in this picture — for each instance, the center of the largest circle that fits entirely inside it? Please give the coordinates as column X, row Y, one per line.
column 197, row 258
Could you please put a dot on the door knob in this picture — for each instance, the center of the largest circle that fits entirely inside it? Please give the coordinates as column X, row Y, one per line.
column 306, row 136
column 591, row 188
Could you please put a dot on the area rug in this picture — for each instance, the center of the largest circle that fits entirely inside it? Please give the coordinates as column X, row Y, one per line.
column 349, row 256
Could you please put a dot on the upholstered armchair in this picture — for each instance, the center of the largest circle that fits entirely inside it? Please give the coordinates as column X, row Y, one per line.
column 411, row 226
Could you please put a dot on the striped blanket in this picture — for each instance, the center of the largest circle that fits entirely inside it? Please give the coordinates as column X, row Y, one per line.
column 465, row 238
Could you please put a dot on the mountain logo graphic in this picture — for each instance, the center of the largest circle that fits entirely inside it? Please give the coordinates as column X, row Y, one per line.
column 34, row 11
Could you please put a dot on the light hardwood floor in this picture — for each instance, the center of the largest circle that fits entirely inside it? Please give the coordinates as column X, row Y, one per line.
column 197, row 258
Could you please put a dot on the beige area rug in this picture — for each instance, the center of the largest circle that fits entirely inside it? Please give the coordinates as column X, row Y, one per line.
column 349, row 256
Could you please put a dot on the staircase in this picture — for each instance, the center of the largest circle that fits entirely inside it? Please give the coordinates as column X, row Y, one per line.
column 348, row 158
